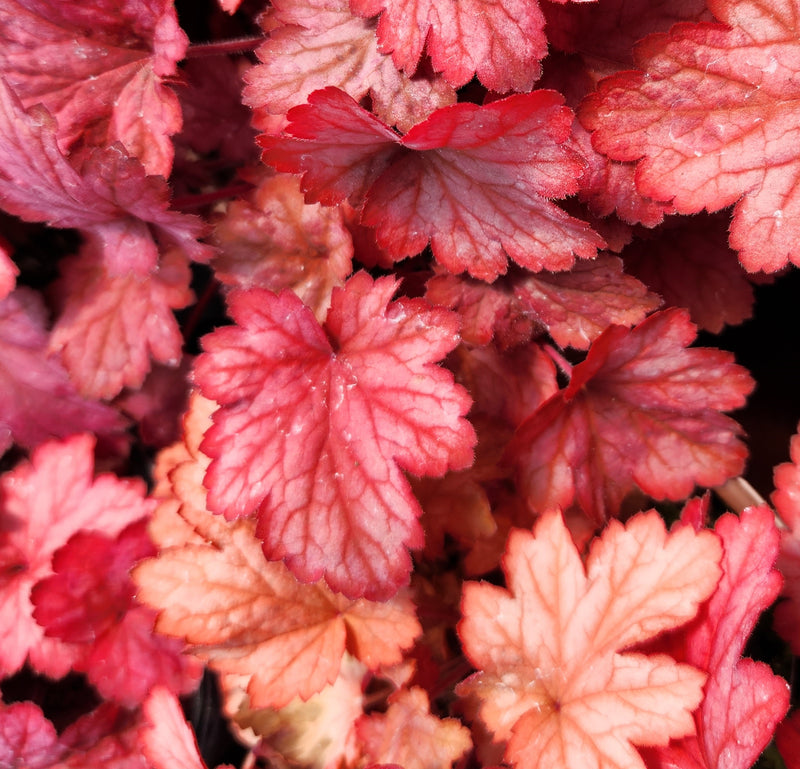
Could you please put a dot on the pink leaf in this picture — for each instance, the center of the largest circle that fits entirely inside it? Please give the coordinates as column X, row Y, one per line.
column 315, row 425
column 112, row 325
column 501, row 42
column 40, row 401
column 108, row 195
column 98, row 68
column 553, row 681
column 319, row 43
column 42, row 504
column 473, row 181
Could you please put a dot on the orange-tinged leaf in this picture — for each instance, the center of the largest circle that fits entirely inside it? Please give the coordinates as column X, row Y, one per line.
column 247, row 615
column 554, row 681
column 409, row 735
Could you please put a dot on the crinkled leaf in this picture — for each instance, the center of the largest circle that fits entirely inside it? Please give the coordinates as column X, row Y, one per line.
column 249, row 616
column 98, row 68
column 553, row 681
column 641, row 410
column 472, row 181
column 43, row 502
column 27, row 738
column 711, row 118
column 786, row 496
column 108, row 195
column 410, row 736
column 112, row 325
column 500, row 42
column 744, row 700
column 277, row 240
column 39, row 400
column 319, row 43
column 8, row 271
column 316, row 425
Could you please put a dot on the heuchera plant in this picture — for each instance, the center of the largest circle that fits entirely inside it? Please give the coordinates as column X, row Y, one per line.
column 349, row 388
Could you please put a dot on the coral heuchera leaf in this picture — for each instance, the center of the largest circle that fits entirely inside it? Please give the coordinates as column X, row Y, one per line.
column 317, row 423
column 502, row 42
column 641, row 410
column 553, row 682
column 473, row 181
column 712, row 118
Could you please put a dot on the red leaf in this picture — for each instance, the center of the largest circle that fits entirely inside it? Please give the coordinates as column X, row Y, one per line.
column 787, row 739
column 473, row 181
column 744, row 700
column 251, row 617
column 89, row 600
column 712, row 120
column 343, row 408
column 786, row 496
column 109, row 196
column 8, row 271
column 318, row 43
column 98, row 68
column 112, row 325
column 501, row 43
column 42, row 504
column 641, row 410
column 39, row 400
column 410, row 736
column 27, row 738
column 552, row 678
column 687, row 262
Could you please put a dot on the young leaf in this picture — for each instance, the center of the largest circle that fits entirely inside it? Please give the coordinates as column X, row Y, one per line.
column 43, row 502
column 410, row 736
column 641, row 410
column 319, row 43
column 502, row 43
column 99, row 70
column 315, row 425
column 711, row 120
column 89, row 600
column 553, row 681
column 108, row 195
column 473, row 181
column 248, row 616
column 276, row 240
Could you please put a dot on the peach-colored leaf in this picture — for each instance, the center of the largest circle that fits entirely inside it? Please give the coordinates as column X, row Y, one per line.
column 553, row 681
column 408, row 734
column 247, row 615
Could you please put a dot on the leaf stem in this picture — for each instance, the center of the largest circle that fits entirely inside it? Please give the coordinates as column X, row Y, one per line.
column 224, row 47
column 559, row 360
